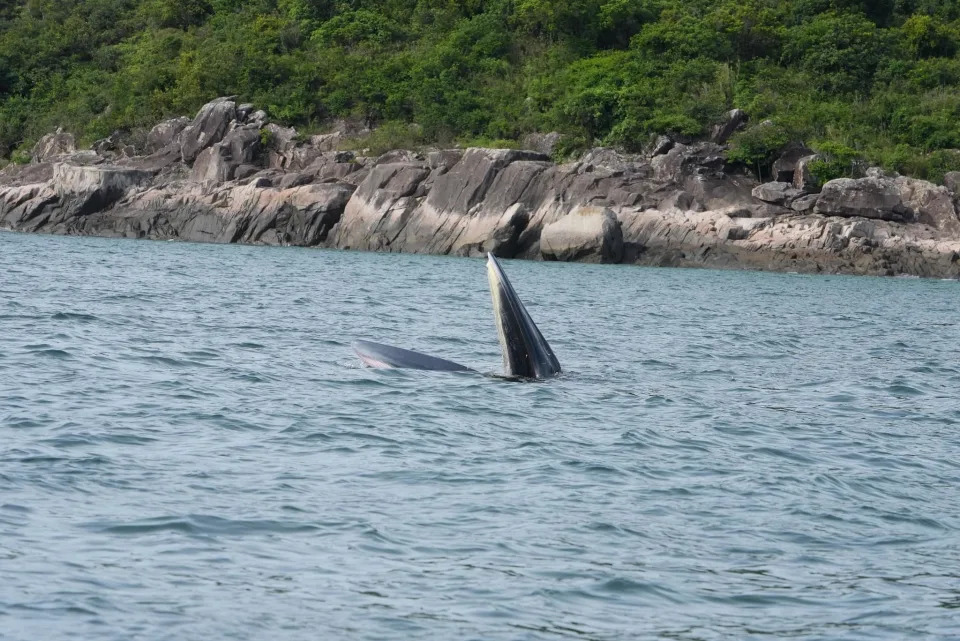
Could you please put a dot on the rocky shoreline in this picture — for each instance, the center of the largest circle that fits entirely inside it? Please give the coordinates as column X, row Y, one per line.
column 230, row 176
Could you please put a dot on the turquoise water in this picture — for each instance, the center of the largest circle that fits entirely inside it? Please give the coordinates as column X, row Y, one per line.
column 190, row 450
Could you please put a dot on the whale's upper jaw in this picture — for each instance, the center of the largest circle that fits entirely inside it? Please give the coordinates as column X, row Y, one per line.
column 526, row 352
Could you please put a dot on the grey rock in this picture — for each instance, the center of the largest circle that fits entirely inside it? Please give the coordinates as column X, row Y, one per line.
column 219, row 162
column 682, row 207
column 165, row 133
column 880, row 172
column 208, row 128
column 542, row 143
column 785, row 167
column 244, row 144
column 281, row 142
column 866, row 197
column 244, row 111
column 951, row 180
column 802, row 178
column 805, row 204
column 258, row 118
column 444, row 160
column 735, row 120
column 929, row 204
column 662, row 145
column 245, row 171
column 53, row 146
column 91, row 189
column 213, row 166
column 294, row 180
column 588, row 234
column 398, row 156
column 327, row 142
column 777, row 193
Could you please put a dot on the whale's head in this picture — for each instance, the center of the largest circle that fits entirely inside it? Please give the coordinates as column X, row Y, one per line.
column 526, row 352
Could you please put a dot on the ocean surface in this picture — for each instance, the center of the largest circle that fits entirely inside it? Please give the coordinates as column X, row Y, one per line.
column 189, row 449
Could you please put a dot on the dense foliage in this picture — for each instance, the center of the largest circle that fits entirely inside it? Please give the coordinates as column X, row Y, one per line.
column 878, row 79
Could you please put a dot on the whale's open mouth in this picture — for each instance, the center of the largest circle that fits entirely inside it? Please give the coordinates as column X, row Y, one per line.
column 526, row 353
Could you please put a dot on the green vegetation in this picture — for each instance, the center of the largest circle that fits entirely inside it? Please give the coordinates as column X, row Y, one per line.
column 878, row 79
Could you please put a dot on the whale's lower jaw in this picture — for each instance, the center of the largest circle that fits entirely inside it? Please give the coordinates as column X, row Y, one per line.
column 526, row 353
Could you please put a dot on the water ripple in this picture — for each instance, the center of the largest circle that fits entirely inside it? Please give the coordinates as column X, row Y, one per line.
column 191, row 450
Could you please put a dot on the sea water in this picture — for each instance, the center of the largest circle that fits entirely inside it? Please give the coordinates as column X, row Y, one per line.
column 189, row 449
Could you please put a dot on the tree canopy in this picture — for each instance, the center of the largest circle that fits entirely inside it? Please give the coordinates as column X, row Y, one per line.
column 880, row 78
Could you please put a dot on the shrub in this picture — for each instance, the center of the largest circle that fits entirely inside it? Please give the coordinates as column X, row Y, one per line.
column 835, row 161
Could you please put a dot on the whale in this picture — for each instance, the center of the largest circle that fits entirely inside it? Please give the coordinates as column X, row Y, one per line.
column 526, row 353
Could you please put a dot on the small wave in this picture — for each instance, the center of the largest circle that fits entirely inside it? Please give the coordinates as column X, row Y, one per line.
column 170, row 362
column 202, row 525
column 901, row 389
column 74, row 316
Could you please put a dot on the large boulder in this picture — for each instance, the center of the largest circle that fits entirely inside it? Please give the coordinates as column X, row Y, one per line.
column 165, row 133
column 877, row 198
column 219, row 163
column 53, row 146
column 777, row 193
column 589, row 234
column 213, row 166
column 930, row 204
column 951, row 180
column 208, row 128
column 280, row 142
column 542, row 143
column 785, row 167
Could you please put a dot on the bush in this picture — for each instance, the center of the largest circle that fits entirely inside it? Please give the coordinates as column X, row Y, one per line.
column 881, row 76
column 758, row 146
column 387, row 137
column 835, row 161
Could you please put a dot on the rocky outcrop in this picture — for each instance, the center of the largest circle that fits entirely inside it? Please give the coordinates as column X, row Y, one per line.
column 929, row 204
column 53, row 146
column 734, row 121
column 229, row 176
column 588, row 234
column 863, row 197
column 785, row 167
column 207, row 129
column 165, row 133
column 777, row 193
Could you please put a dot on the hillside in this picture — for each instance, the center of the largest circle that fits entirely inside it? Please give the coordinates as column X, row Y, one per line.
column 878, row 80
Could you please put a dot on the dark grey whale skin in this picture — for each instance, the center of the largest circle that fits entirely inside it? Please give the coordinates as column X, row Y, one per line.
column 526, row 353
column 380, row 356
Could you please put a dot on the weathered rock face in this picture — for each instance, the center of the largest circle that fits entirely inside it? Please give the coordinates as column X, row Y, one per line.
column 543, row 143
column 803, row 179
column 929, row 204
column 207, row 129
column 219, row 162
column 951, row 181
column 165, row 133
column 863, row 197
column 53, row 146
column 735, row 120
column 785, row 167
column 777, row 193
column 678, row 204
column 588, row 234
